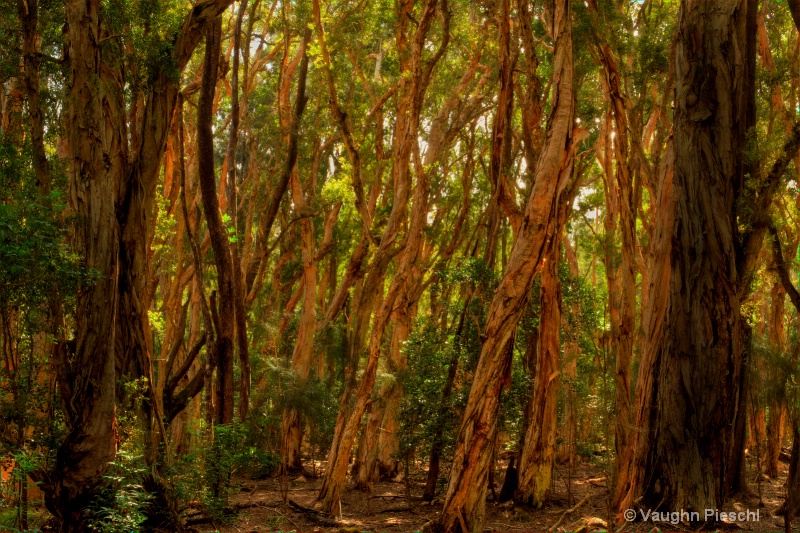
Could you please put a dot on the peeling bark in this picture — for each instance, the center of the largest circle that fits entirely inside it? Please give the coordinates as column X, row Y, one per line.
column 690, row 374
column 465, row 500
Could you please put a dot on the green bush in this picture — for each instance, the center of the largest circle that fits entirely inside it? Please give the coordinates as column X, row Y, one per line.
column 119, row 508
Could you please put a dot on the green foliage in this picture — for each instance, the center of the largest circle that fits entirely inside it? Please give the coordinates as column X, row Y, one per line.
column 36, row 266
column 425, row 415
column 119, row 506
column 24, row 464
column 144, row 33
column 471, row 270
column 231, row 453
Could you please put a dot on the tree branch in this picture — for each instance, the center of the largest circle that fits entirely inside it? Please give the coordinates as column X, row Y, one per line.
column 783, row 272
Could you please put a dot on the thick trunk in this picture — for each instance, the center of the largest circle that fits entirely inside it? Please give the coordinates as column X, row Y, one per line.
column 465, row 500
column 97, row 165
column 690, row 375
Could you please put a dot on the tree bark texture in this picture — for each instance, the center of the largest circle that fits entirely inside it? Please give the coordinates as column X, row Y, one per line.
column 97, row 165
column 690, row 375
column 464, row 503
column 223, row 315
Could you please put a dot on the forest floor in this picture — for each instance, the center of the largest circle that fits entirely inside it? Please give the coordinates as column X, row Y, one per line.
column 579, row 503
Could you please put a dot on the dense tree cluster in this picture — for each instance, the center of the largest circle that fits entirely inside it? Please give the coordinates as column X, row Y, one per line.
column 367, row 239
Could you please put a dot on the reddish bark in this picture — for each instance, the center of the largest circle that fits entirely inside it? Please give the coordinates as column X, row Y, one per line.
column 465, row 500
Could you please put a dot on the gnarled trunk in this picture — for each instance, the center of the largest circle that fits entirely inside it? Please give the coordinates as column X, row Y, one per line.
column 97, row 165
column 690, row 377
column 404, row 143
column 465, row 500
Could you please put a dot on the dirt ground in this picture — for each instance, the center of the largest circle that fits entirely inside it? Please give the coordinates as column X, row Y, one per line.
column 578, row 504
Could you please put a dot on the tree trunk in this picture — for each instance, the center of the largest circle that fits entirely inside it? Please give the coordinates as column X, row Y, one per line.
column 538, row 452
column 777, row 408
column 366, row 462
column 792, row 504
column 239, row 289
column 465, row 499
column 223, row 315
column 404, row 143
column 97, row 165
column 303, row 354
column 690, row 374
column 538, row 449
column 572, row 350
column 392, row 392
column 624, row 336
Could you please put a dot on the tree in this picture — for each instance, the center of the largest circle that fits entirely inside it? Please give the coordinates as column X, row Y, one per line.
column 465, row 500
column 691, row 369
column 96, row 169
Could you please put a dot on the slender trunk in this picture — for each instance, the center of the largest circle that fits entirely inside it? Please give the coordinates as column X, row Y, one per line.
column 392, row 392
column 625, row 332
column 29, row 15
column 303, row 354
column 223, row 314
column 538, row 452
column 136, row 218
column 793, row 482
column 538, row 445
column 501, row 127
column 777, row 408
column 438, row 439
column 365, row 465
column 792, row 504
column 404, row 143
column 572, row 350
column 465, row 500
column 233, row 183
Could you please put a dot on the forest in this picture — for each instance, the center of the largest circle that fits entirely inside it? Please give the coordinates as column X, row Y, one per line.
column 440, row 266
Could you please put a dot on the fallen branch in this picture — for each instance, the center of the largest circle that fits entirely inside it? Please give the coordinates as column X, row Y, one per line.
column 567, row 512
column 323, row 519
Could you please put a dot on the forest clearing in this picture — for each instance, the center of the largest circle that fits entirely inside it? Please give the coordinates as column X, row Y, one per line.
column 440, row 266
